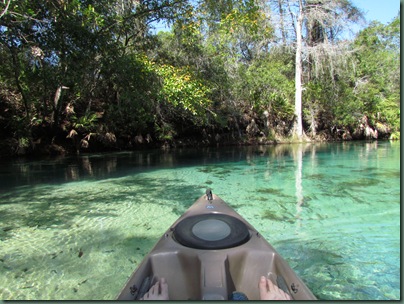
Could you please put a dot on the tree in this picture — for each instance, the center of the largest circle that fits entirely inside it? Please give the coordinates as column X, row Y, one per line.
column 298, row 127
column 92, row 74
column 270, row 89
column 61, row 57
column 377, row 85
column 317, row 26
column 237, row 33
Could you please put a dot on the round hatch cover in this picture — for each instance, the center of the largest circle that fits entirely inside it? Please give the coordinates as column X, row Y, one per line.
column 211, row 231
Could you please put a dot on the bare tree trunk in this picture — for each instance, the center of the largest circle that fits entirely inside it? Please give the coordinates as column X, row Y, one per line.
column 298, row 128
column 57, row 105
column 282, row 22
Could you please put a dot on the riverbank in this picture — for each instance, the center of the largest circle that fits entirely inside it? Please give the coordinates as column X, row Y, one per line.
column 47, row 141
column 11, row 148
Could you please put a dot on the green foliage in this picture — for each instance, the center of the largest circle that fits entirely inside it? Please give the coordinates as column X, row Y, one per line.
column 389, row 112
column 181, row 89
column 244, row 24
column 271, row 86
column 23, row 143
column 151, row 93
column 378, row 83
column 94, row 67
column 395, row 136
column 166, row 132
column 85, row 123
column 133, row 89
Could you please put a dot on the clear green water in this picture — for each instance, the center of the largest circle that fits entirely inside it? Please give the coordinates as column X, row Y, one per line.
column 76, row 228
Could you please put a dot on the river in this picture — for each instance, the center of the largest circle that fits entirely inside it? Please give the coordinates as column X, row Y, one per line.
column 74, row 228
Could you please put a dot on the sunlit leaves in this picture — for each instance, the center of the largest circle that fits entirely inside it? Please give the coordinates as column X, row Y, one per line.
column 240, row 30
column 378, row 86
column 180, row 88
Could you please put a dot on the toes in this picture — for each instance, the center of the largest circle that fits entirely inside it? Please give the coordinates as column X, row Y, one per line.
column 263, row 287
column 271, row 286
column 263, row 282
column 155, row 289
column 163, row 286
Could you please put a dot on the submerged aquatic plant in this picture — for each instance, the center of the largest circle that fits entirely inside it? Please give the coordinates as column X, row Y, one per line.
column 268, row 215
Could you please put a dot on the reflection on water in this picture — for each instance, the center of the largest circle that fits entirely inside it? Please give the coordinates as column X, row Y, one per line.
column 98, row 166
column 75, row 228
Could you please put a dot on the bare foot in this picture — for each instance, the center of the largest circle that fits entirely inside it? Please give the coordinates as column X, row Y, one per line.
column 269, row 291
column 158, row 291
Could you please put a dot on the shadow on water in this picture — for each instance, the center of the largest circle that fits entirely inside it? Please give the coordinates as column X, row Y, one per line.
column 60, row 170
column 49, row 207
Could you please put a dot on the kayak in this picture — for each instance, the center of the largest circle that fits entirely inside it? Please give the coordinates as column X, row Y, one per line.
column 209, row 253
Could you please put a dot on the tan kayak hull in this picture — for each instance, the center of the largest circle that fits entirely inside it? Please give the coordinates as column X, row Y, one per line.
column 201, row 274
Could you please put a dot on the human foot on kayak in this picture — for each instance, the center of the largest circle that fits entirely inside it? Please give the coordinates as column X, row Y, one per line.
column 158, row 291
column 269, row 291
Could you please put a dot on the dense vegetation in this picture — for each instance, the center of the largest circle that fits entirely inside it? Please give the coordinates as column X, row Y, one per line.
column 85, row 75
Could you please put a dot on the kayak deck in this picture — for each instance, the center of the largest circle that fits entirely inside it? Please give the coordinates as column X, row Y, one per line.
column 213, row 274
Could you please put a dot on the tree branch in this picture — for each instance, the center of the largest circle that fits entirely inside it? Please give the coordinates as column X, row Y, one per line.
column 6, row 9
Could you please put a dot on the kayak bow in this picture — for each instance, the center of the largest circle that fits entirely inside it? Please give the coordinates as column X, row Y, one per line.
column 210, row 252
